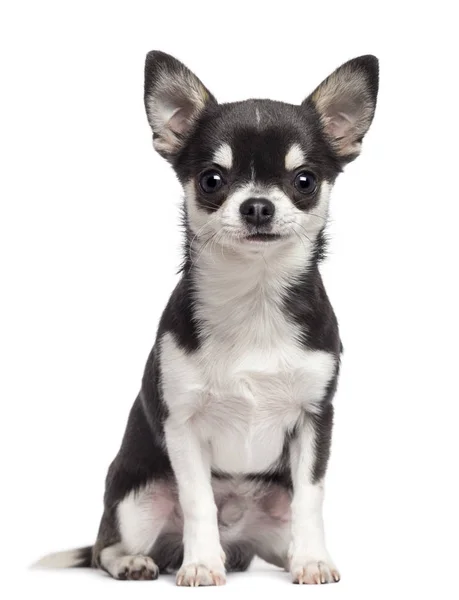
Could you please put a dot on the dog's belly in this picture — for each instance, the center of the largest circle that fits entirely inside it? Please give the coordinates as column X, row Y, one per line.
column 247, row 511
column 253, row 450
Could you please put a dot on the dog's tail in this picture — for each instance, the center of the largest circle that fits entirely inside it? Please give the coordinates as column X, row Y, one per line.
column 80, row 557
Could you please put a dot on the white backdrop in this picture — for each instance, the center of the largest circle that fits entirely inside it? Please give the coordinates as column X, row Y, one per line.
column 90, row 246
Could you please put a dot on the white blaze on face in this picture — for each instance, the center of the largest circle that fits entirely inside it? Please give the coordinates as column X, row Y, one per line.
column 227, row 219
column 285, row 211
column 294, row 158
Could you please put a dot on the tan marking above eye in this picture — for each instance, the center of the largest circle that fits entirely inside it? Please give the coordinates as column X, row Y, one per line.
column 294, row 158
column 223, row 156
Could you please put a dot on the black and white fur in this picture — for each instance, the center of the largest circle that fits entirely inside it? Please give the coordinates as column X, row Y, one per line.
column 227, row 443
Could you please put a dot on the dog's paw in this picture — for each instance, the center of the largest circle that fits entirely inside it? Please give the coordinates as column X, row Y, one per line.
column 312, row 571
column 136, row 568
column 196, row 574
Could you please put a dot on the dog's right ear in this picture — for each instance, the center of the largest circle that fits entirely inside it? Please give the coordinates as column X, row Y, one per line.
column 174, row 100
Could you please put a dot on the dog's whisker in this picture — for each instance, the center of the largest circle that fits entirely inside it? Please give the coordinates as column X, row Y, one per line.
column 203, row 247
column 300, row 238
column 305, row 232
column 210, row 204
column 198, row 233
column 196, row 236
column 318, row 216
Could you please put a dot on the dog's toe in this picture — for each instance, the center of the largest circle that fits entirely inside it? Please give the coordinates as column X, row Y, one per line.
column 194, row 575
column 314, row 572
column 136, row 568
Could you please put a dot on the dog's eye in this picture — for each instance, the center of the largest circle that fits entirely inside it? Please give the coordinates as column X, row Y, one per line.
column 305, row 182
column 211, row 181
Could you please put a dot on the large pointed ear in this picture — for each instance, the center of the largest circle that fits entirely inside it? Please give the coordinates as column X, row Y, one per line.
column 346, row 103
column 174, row 100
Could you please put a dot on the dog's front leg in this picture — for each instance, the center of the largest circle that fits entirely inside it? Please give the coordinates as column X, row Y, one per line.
column 203, row 560
column 308, row 555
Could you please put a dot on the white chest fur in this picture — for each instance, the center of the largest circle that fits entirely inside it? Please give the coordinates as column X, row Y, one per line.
column 251, row 379
column 243, row 408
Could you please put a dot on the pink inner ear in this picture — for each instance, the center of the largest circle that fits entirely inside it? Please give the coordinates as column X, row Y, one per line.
column 180, row 121
column 339, row 123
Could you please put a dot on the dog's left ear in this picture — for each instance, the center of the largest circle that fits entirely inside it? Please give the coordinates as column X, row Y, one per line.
column 174, row 100
column 346, row 103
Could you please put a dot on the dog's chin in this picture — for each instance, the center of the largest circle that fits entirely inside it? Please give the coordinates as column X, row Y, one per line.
column 252, row 242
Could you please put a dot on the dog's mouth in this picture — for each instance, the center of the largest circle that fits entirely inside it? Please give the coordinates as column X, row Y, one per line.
column 263, row 237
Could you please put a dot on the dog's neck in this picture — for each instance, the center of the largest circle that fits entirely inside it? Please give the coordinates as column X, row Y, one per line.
column 239, row 294
column 224, row 275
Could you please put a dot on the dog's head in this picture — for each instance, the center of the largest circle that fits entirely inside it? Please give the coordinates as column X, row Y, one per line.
column 258, row 172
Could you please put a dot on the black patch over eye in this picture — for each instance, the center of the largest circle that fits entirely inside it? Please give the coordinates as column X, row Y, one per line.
column 211, row 181
column 305, row 182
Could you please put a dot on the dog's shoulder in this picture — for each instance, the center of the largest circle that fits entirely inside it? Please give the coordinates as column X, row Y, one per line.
column 179, row 316
column 307, row 303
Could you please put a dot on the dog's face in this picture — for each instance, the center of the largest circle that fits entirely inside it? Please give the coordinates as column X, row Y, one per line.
column 257, row 173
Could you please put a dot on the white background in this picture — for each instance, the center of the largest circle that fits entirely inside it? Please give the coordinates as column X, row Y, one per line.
column 90, row 246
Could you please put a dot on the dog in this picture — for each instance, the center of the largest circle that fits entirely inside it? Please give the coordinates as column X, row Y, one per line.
column 226, row 446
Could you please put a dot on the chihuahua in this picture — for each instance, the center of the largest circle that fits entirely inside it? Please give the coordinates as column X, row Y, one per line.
column 226, row 446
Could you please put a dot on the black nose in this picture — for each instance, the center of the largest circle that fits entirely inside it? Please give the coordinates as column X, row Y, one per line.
column 257, row 211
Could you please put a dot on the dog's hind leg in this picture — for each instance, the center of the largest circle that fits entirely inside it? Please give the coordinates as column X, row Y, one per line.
column 129, row 531
column 239, row 555
column 272, row 545
column 120, row 565
column 271, row 526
